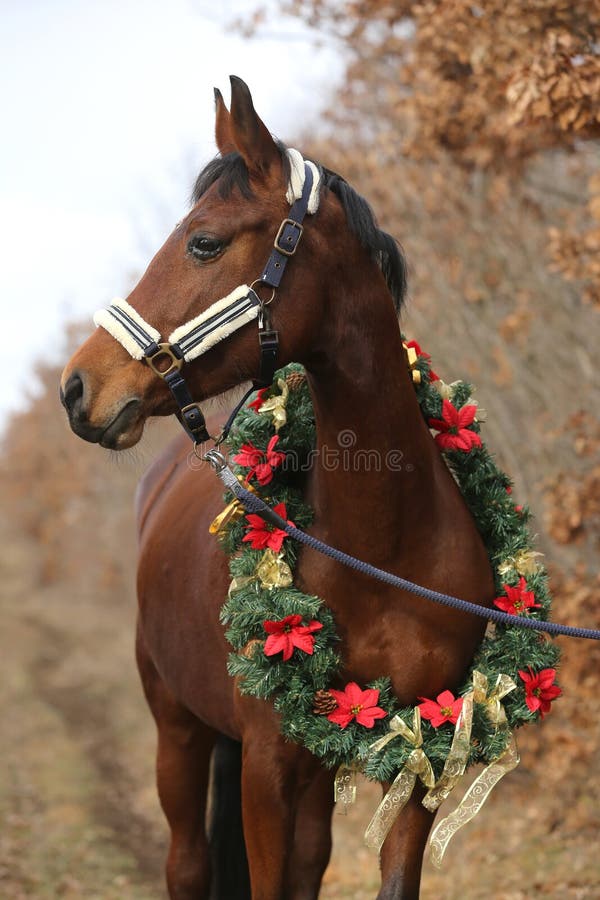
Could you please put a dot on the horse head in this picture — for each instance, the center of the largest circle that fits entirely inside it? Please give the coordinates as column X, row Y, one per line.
column 239, row 203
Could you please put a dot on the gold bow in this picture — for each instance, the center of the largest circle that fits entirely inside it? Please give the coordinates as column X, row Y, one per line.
column 504, row 685
column 524, row 562
column 272, row 571
column 445, row 390
column 416, row 766
column 232, row 511
column 275, row 406
column 456, row 762
column 412, row 356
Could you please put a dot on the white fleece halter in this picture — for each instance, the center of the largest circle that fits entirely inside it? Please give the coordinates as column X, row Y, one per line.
column 221, row 318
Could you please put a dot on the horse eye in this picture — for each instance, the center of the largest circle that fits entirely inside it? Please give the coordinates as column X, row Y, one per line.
column 202, row 247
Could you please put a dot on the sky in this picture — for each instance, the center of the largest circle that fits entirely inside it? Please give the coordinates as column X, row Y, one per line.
column 107, row 115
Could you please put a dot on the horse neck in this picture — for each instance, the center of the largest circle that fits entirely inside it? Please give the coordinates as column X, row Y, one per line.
column 376, row 466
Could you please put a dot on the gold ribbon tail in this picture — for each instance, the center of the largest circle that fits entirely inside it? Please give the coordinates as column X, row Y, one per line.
column 456, row 761
column 385, row 815
column 344, row 788
column 472, row 801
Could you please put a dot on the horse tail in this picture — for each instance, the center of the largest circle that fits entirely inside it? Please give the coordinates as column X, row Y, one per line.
column 230, row 877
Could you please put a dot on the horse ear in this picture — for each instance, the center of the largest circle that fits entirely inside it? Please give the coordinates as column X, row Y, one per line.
column 250, row 135
column 222, row 125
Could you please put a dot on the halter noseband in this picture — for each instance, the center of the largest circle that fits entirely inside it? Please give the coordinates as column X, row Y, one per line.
column 223, row 317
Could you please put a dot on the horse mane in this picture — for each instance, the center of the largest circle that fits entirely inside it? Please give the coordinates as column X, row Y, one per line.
column 231, row 172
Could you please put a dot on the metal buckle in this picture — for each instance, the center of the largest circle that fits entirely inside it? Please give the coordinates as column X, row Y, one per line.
column 286, row 251
column 214, row 457
column 164, row 350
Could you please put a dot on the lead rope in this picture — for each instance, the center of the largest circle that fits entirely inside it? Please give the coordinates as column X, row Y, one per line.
column 254, row 504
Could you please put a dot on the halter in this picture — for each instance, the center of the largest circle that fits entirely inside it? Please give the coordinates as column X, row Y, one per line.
column 224, row 316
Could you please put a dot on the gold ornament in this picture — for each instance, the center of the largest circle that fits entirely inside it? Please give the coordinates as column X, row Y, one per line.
column 412, row 357
column 275, row 406
column 523, row 563
column 232, row 511
column 416, row 766
column 248, row 650
column 272, row 571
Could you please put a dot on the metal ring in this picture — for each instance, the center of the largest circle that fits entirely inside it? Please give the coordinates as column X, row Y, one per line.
column 263, row 302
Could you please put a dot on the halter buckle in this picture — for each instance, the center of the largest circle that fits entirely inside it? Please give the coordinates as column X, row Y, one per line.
column 288, row 237
column 164, row 350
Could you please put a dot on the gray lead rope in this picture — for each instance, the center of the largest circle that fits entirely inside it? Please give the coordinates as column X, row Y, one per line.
column 254, row 504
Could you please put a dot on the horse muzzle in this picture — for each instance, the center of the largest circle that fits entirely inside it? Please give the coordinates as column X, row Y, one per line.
column 123, row 428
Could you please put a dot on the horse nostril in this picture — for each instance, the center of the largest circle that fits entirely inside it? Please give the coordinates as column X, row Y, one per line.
column 72, row 395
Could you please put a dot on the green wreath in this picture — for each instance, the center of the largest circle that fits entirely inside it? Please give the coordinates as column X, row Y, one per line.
column 285, row 643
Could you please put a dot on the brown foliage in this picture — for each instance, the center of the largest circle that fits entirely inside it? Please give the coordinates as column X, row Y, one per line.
column 492, row 83
column 486, row 85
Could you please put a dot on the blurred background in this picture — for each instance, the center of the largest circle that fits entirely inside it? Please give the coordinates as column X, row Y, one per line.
column 473, row 129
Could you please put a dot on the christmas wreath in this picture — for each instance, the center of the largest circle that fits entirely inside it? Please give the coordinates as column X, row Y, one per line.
column 285, row 644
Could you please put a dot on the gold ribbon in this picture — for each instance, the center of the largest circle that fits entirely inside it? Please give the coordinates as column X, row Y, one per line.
column 232, row 511
column 344, row 787
column 272, row 571
column 275, row 406
column 472, row 801
column 456, row 762
column 416, row 766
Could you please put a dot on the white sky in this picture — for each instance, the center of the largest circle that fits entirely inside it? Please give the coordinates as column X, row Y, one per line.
column 107, row 115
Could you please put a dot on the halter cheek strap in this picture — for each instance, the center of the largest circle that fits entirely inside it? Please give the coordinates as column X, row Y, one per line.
column 224, row 316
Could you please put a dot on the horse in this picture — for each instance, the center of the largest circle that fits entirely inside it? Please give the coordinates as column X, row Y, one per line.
column 336, row 312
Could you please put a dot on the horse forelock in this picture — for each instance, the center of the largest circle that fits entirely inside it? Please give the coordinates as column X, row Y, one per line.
column 230, row 171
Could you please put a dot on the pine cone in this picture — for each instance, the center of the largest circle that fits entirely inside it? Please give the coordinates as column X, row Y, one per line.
column 324, row 703
column 248, row 650
column 295, row 380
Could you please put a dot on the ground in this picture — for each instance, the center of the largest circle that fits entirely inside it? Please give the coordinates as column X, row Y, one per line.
column 77, row 797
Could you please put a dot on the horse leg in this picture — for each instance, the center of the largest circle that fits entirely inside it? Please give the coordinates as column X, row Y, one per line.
column 182, row 769
column 275, row 774
column 403, row 849
column 312, row 838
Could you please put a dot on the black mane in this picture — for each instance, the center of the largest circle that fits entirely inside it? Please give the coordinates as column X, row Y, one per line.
column 231, row 172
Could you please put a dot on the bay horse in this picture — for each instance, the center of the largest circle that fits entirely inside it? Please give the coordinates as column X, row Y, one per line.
column 336, row 313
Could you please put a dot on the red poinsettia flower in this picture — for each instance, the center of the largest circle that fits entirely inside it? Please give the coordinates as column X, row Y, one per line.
column 415, row 346
column 352, row 703
column 261, row 535
column 540, row 689
column 289, row 633
column 260, row 464
column 455, row 435
column 258, row 400
column 517, row 599
column 445, row 708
